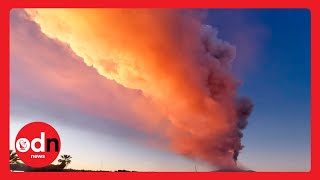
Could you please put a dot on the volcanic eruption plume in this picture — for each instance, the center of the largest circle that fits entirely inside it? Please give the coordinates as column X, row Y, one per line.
column 173, row 59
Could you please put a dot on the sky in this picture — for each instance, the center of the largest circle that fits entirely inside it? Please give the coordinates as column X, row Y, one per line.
column 50, row 83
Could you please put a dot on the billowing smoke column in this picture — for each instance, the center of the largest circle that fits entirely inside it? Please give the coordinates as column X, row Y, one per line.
column 175, row 60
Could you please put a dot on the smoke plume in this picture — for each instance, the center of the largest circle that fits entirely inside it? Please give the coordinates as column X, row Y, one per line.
column 175, row 60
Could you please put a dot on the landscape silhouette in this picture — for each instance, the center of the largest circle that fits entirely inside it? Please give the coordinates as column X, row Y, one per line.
column 65, row 160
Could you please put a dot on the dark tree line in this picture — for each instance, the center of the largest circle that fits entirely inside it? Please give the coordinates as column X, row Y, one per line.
column 16, row 165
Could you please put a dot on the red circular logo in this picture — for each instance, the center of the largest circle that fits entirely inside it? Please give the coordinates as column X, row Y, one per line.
column 37, row 144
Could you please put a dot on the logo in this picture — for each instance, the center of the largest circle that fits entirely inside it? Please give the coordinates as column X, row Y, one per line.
column 37, row 144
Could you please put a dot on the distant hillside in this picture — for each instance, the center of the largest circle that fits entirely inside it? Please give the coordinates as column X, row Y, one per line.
column 52, row 168
column 233, row 170
column 57, row 168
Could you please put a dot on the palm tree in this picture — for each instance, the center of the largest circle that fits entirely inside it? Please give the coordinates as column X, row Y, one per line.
column 64, row 160
column 13, row 157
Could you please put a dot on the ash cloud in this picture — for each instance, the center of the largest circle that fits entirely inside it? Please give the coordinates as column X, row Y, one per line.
column 175, row 60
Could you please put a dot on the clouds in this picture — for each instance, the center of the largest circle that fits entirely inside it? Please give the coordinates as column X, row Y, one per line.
column 174, row 60
column 47, row 78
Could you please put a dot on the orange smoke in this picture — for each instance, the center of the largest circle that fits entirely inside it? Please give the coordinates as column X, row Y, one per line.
column 174, row 59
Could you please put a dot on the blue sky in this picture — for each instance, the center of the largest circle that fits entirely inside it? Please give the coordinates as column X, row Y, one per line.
column 278, row 134
column 273, row 63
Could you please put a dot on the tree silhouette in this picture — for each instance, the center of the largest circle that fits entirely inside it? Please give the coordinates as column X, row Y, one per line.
column 64, row 160
column 13, row 157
